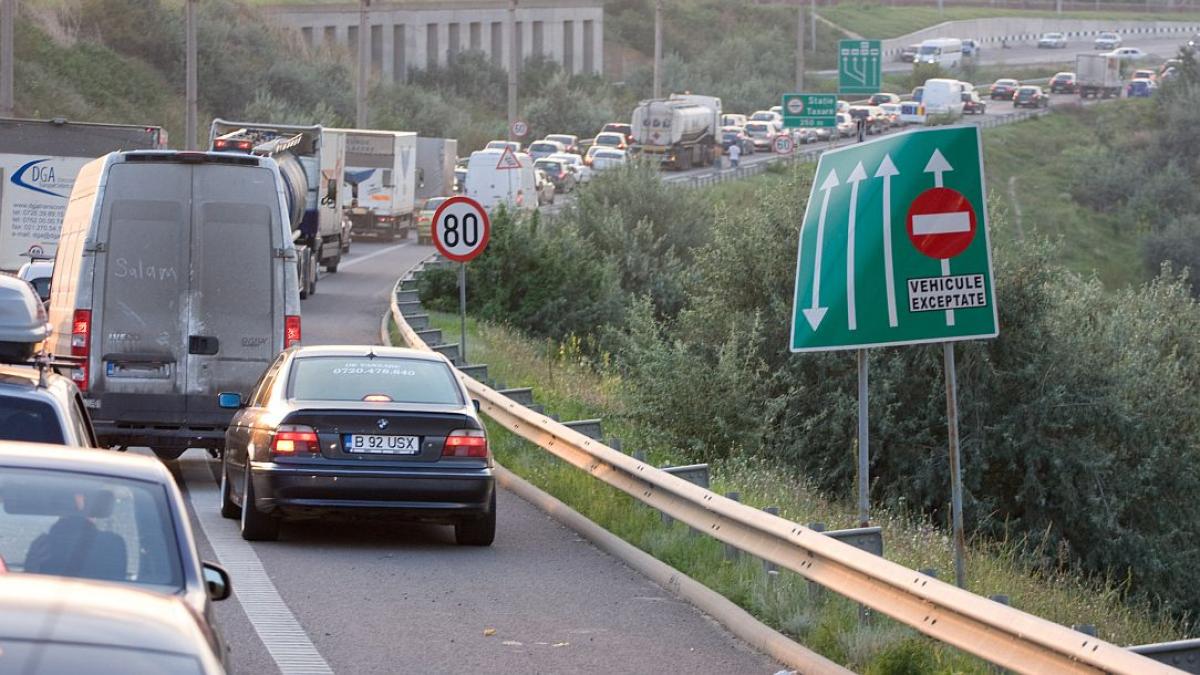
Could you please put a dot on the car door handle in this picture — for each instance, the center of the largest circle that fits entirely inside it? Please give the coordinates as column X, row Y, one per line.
column 203, row 344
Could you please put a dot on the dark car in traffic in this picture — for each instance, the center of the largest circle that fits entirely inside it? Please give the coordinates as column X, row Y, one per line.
column 52, row 625
column 1030, row 97
column 1003, row 89
column 381, row 431
column 972, row 104
column 1064, row 83
column 558, row 173
column 103, row 516
column 732, row 135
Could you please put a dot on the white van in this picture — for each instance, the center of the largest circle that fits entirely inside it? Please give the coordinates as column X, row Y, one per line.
column 491, row 185
column 945, row 52
column 175, row 279
column 943, row 97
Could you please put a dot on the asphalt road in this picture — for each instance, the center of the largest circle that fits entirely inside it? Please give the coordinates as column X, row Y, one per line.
column 363, row 597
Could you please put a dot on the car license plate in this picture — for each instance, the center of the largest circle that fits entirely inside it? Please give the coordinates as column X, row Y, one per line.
column 381, row 445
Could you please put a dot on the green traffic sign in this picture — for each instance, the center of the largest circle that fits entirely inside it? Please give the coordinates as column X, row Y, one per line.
column 894, row 246
column 809, row 110
column 860, row 66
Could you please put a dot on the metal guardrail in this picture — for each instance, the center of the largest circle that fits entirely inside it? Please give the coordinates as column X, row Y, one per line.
column 1000, row 634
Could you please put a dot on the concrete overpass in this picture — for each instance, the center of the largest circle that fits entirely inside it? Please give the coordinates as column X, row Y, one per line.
column 415, row 35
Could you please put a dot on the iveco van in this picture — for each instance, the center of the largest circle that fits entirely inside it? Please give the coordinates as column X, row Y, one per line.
column 175, row 279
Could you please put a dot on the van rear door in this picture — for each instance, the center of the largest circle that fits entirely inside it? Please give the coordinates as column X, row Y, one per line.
column 141, row 301
column 235, row 326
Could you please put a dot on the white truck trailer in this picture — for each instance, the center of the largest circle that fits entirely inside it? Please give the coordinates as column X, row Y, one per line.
column 435, row 167
column 38, row 163
column 380, row 175
column 680, row 131
column 1098, row 75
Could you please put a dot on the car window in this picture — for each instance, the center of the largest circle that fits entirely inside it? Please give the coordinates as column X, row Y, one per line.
column 88, row 526
column 262, row 390
column 23, row 419
column 432, row 204
column 352, row 378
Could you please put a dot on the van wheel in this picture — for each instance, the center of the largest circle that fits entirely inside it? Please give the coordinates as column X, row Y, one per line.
column 478, row 531
column 256, row 525
column 332, row 266
column 168, row 454
column 228, row 508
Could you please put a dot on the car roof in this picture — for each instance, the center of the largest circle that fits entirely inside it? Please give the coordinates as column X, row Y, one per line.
column 366, row 351
column 29, row 377
column 41, row 608
column 14, row 454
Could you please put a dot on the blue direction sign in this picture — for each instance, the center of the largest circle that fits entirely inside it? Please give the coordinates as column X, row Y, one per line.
column 809, row 110
column 860, row 66
column 894, row 245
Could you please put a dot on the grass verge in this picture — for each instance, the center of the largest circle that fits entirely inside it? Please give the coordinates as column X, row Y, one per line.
column 569, row 388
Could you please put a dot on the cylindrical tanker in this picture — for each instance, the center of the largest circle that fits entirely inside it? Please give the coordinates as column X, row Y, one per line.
column 295, row 187
column 679, row 131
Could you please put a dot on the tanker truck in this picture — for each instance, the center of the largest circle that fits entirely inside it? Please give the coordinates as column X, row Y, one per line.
column 311, row 162
column 680, row 131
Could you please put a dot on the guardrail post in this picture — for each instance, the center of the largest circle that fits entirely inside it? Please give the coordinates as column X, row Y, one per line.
column 731, row 551
column 815, row 591
column 639, row 455
column 1085, row 628
column 768, row 566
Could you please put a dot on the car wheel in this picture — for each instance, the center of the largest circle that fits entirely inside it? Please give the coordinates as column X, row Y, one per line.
column 478, row 531
column 332, row 266
column 256, row 525
column 228, row 508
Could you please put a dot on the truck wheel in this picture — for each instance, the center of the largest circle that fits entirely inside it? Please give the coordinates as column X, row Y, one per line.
column 390, row 236
column 332, row 265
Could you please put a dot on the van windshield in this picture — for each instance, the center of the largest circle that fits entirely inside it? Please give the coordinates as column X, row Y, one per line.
column 929, row 50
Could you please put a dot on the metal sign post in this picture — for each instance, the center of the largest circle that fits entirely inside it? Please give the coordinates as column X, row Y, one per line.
column 462, row 310
column 864, row 445
column 956, row 517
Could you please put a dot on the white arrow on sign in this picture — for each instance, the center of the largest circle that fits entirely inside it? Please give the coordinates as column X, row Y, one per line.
column 815, row 313
column 855, row 177
column 937, row 166
column 886, row 170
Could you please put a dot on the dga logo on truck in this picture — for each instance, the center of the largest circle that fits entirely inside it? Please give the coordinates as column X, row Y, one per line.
column 44, row 177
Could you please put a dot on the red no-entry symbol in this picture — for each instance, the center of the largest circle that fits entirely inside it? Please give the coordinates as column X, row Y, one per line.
column 941, row 223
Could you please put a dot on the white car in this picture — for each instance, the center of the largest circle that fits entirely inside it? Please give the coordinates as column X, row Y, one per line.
column 768, row 116
column 1107, row 40
column 38, row 272
column 733, row 120
column 583, row 173
column 544, row 148
column 1052, row 41
column 608, row 158
column 500, row 145
column 1129, row 54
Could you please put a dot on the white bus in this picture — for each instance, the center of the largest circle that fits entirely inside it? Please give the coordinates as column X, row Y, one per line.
column 945, row 52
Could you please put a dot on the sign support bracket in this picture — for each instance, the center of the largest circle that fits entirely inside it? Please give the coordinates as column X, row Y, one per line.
column 956, row 507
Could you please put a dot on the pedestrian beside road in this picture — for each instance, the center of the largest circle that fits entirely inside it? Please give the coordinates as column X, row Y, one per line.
column 735, row 154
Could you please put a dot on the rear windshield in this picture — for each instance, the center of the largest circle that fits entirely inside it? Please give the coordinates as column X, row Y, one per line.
column 88, row 526
column 347, row 378
column 432, row 204
column 756, row 127
column 25, row 420
column 543, row 147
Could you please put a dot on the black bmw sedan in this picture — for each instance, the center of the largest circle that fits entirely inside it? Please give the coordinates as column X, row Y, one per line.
column 383, row 431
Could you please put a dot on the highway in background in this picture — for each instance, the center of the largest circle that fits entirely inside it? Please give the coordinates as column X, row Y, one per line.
column 370, row 597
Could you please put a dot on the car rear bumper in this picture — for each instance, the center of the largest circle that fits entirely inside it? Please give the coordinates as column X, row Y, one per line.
column 437, row 495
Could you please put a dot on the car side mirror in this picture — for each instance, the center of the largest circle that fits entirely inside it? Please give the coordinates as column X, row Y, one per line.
column 229, row 400
column 476, row 403
column 216, row 580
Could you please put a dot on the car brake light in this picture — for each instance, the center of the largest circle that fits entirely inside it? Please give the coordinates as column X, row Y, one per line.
column 465, row 443
column 229, row 144
column 291, row 331
column 294, row 439
column 81, row 340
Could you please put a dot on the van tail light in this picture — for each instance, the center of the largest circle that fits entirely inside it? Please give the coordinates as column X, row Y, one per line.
column 291, row 331
column 81, row 346
column 294, row 439
column 466, row 443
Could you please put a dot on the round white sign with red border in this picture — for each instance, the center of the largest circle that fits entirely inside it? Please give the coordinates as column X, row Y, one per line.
column 783, row 144
column 519, row 129
column 460, row 229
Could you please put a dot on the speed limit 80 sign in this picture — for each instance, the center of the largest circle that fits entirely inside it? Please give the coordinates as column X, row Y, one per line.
column 460, row 229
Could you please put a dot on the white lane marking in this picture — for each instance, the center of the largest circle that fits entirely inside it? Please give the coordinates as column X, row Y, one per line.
column 284, row 638
column 355, row 261
column 942, row 223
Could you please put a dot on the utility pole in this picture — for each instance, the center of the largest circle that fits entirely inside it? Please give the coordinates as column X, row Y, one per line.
column 812, row 22
column 191, row 86
column 364, row 69
column 658, row 7
column 8, row 13
column 514, row 62
column 799, row 45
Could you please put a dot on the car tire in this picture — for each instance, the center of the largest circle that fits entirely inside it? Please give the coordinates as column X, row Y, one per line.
column 478, row 531
column 228, row 508
column 256, row 525
column 168, row 454
column 332, row 266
